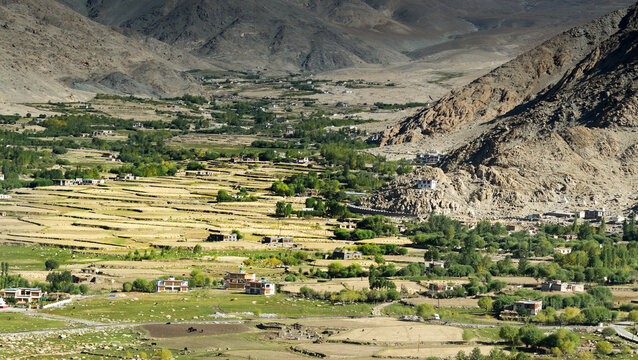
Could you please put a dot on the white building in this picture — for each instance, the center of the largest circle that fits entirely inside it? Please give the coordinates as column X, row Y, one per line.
column 429, row 184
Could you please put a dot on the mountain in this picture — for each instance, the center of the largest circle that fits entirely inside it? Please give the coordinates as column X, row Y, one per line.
column 558, row 121
column 319, row 35
column 52, row 53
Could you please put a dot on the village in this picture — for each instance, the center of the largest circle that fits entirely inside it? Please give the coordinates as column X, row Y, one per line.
column 254, row 241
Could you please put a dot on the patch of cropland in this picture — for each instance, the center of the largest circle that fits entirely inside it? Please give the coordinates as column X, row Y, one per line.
column 556, row 122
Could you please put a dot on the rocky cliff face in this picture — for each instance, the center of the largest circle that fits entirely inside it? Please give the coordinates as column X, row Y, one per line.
column 574, row 137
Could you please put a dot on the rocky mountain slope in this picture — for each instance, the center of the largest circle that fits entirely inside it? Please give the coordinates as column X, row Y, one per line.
column 318, row 35
column 563, row 121
column 52, row 53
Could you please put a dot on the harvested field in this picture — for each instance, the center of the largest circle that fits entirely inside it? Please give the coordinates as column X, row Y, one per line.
column 182, row 330
column 402, row 333
column 344, row 350
column 438, row 351
column 445, row 303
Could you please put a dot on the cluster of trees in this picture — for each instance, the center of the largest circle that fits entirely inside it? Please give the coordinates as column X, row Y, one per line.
column 368, row 228
column 63, row 282
column 381, row 249
column 351, row 296
column 336, row 270
column 590, row 260
column 561, row 342
column 241, row 196
column 197, row 279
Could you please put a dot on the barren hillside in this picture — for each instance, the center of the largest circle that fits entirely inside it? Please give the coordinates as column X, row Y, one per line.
column 561, row 122
column 50, row 52
column 319, row 35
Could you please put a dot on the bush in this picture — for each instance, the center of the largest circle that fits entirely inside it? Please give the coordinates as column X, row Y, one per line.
column 425, row 311
column 290, row 277
column 51, row 264
column 84, row 289
column 127, row 287
column 59, row 150
column 604, row 347
column 607, row 332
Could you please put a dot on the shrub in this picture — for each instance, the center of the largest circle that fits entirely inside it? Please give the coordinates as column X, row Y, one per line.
column 290, row 277
column 607, row 332
column 425, row 311
column 51, row 264
column 604, row 347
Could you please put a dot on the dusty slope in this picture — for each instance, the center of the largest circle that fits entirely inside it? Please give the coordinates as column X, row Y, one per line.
column 319, row 35
column 48, row 50
column 575, row 138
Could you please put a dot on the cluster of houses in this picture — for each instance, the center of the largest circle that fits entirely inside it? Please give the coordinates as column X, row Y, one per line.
column 248, row 283
column 429, row 158
column 78, row 181
column 127, row 177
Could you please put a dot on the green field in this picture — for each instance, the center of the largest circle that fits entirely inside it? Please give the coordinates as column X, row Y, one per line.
column 201, row 305
column 11, row 322
column 33, row 257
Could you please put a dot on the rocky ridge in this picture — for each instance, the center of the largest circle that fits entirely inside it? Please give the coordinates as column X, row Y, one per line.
column 575, row 138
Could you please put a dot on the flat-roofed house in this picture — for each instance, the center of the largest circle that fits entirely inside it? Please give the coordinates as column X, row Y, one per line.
column 63, row 182
column 563, row 250
column 260, row 287
column 429, row 184
column 171, row 285
column 533, row 307
column 238, row 280
column 557, row 285
column 222, row 237
column 346, row 254
column 23, row 295
column 283, row 241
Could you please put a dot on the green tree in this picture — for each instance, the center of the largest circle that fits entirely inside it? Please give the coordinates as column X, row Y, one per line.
column 596, row 314
column 127, row 287
column 509, row 334
column 51, row 264
column 84, row 289
column 562, row 341
column 485, row 303
column 197, row 249
column 530, row 335
column 633, row 316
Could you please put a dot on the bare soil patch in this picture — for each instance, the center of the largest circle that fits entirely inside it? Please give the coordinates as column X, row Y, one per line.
column 183, row 330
